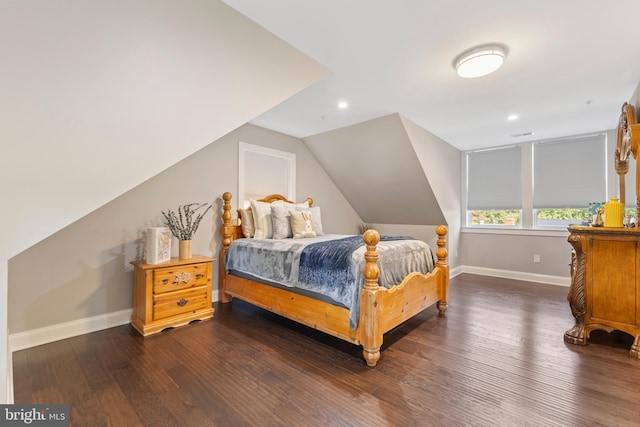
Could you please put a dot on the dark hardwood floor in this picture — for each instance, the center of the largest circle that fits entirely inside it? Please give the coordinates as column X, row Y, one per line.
column 497, row 359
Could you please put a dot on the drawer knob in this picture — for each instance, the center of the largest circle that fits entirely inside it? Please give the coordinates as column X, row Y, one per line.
column 182, row 302
column 165, row 281
column 199, row 275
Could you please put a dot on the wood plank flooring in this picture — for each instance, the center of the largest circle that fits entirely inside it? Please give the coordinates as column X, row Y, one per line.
column 497, row 359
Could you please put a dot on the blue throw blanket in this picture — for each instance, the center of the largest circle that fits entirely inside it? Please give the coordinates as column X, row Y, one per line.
column 328, row 265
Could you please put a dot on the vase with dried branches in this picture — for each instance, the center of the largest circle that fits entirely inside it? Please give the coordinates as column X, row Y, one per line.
column 184, row 224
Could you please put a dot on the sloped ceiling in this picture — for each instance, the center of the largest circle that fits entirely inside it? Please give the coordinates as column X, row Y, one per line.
column 99, row 96
column 375, row 166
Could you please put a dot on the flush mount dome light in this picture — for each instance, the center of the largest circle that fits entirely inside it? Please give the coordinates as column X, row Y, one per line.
column 480, row 61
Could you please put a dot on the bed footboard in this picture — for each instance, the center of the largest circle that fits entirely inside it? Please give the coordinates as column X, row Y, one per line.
column 383, row 309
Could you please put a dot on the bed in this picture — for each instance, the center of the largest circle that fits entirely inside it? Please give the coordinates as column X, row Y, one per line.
column 376, row 310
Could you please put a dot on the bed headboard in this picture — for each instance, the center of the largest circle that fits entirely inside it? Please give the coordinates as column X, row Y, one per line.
column 235, row 230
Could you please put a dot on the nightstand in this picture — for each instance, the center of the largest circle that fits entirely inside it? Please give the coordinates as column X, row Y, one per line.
column 171, row 294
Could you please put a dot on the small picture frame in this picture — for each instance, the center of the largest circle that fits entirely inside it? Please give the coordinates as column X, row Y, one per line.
column 158, row 245
column 595, row 212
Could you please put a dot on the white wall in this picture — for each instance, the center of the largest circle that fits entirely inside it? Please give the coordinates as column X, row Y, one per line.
column 87, row 264
column 375, row 165
column 635, row 98
column 101, row 95
column 441, row 164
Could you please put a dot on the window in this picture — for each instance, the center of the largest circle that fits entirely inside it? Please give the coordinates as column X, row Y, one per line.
column 494, row 182
column 568, row 174
column 546, row 184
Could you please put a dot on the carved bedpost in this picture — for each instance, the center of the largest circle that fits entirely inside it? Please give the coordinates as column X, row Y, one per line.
column 577, row 334
column 441, row 253
column 227, row 232
column 371, row 271
column 370, row 309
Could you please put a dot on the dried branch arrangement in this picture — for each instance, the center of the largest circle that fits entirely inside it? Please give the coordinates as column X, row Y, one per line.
column 184, row 224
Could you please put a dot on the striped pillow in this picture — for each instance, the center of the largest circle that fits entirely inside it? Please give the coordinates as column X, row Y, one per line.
column 263, row 227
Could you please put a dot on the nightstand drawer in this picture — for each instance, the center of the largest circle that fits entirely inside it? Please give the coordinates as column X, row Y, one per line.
column 179, row 277
column 175, row 303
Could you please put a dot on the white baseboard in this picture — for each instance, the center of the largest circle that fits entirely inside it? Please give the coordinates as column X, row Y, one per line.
column 517, row 275
column 453, row 272
column 28, row 339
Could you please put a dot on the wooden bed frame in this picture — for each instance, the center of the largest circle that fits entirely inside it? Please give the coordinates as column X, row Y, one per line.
column 381, row 309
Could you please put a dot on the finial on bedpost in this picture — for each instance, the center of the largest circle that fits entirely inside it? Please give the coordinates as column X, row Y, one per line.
column 227, row 228
column 441, row 231
column 371, row 271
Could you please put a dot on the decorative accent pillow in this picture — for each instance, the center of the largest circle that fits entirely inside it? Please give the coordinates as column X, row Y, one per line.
column 302, row 224
column 317, row 219
column 246, row 223
column 281, row 218
column 262, row 218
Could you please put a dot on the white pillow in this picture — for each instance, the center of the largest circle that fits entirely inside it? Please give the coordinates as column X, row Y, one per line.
column 263, row 226
column 317, row 219
column 280, row 217
column 302, row 224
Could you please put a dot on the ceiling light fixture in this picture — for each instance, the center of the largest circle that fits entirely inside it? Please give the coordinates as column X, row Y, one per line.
column 480, row 61
column 343, row 104
column 512, row 117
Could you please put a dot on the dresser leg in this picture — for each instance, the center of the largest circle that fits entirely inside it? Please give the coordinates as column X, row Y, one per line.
column 577, row 334
column 635, row 348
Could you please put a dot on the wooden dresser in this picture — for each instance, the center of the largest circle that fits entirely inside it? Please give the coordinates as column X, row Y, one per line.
column 171, row 294
column 605, row 283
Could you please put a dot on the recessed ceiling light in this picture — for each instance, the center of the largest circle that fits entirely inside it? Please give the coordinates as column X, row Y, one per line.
column 343, row 104
column 518, row 135
column 480, row 61
column 512, row 117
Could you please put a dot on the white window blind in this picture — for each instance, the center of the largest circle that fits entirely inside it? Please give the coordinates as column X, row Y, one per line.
column 494, row 179
column 569, row 173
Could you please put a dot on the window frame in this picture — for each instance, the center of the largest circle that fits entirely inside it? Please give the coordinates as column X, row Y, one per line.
column 528, row 214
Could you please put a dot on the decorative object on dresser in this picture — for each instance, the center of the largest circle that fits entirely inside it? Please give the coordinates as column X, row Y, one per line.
column 184, row 224
column 614, row 213
column 158, row 245
column 596, row 210
column 171, row 294
column 330, row 286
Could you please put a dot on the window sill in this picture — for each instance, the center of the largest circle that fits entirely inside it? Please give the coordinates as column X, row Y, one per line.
column 513, row 231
